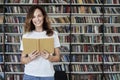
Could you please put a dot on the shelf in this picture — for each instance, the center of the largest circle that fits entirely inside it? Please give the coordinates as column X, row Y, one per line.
column 14, row 73
column 91, row 34
column 9, row 43
column 110, row 72
column 60, row 4
column 14, row 34
column 92, row 63
column 77, row 24
column 13, row 63
column 91, row 43
column 91, row 53
column 11, row 53
column 67, row 14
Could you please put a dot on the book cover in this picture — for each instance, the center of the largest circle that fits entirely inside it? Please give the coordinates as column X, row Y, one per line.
column 30, row 45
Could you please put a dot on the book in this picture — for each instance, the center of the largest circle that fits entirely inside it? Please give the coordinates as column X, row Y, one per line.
column 1, row 19
column 30, row 45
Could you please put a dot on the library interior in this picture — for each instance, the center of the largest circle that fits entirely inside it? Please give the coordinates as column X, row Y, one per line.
column 88, row 31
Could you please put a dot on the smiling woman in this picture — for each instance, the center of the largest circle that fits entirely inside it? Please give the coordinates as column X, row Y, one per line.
column 38, row 64
column 39, row 16
column 38, row 20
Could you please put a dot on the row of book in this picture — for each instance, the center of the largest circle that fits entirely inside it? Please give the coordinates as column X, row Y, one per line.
column 78, row 47
column 64, row 1
column 12, row 48
column 90, row 58
column 87, row 29
column 13, row 77
column 66, row 29
column 82, row 19
column 12, row 58
column 97, row 1
column 13, row 39
column 84, row 77
column 91, row 48
column 79, row 38
column 93, row 68
column 65, row 9
column 14, row 68
column 14, row 19
column 95, row 77
column 85, row 19
column 95, row 48
column 83, row 38
column 78, row 68
column 74, row 58
column 16, row 9
column 18, row 68
column 13, row 28
column 25, row 1
column 110, row 39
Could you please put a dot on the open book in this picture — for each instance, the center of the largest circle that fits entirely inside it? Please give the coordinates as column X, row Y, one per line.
column 30, row 45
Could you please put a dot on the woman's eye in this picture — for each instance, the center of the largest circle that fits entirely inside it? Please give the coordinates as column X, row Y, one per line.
column 39, row 15
column 33, row 17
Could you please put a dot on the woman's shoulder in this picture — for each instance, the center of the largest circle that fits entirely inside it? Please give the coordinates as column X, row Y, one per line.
column 55, row 32
column 26, row 34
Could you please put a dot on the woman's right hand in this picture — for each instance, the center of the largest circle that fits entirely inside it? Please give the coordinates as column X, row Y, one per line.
column 26, row 58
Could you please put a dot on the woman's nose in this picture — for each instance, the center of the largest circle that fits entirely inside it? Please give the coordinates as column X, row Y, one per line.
column 37, row 18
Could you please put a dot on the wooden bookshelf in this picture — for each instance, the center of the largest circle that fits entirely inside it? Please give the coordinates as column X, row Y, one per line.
column 94, row 34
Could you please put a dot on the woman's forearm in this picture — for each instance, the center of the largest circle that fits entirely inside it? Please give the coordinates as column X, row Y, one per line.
column 54, row 58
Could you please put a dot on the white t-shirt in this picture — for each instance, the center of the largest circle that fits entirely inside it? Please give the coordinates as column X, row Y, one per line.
column 40, row 67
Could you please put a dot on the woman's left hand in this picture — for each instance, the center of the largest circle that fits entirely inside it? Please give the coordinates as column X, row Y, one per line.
column 45, row 54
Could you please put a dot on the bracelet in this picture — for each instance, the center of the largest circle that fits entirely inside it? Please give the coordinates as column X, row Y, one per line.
column 26, row 55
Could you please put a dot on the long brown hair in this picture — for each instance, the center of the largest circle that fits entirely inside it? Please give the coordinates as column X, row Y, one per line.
column 29, row 26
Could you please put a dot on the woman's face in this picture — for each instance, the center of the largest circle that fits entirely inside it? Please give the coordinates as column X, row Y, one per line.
column 38, row 18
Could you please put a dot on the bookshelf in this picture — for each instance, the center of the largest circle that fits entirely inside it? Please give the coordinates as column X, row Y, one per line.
column 94, row 46
column 1, row 42
column 89, row 32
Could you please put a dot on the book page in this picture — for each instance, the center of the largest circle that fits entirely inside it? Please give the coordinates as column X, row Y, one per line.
column 29, row 45
column 47, row 44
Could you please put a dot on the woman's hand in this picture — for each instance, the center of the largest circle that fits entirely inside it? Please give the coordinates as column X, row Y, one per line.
column 45, row 54
column 53, row 58
column 34, row 55
column 26, row 58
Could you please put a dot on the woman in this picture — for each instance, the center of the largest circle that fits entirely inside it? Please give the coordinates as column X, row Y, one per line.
column 38, row 65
